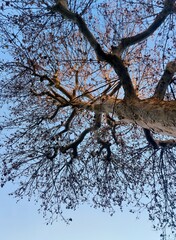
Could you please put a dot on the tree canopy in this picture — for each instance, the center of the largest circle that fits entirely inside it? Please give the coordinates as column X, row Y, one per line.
column 89, row 91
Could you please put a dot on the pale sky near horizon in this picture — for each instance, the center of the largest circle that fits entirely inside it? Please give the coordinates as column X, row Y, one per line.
column 21, row 221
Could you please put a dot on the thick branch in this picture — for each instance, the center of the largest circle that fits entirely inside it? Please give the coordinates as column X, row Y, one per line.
column 58, row 98
column 148, row 113
column 56, row 82
column 67, row 124
column 78, row 20
column 123, row 74
column 165, row 80
column 112, row 59
column 168, row 143
column 74, row 145
column 150, row 138
column 105, row 145
column 158, row 143
column 126, row 42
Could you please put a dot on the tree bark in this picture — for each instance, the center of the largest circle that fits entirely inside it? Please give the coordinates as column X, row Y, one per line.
column 153, row 114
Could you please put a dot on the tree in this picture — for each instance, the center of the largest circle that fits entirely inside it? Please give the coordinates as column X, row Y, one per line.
column 90, row 90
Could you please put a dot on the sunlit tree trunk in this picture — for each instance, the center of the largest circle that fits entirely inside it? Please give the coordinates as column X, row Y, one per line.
column 159, row 116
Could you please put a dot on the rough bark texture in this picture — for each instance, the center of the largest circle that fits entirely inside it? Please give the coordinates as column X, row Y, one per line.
column 151, row 113
column 159, row 116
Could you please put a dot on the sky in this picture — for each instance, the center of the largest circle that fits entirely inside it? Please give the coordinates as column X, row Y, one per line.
column 21, row 221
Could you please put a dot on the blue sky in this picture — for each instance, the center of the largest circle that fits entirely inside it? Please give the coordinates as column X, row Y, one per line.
column 21, row 221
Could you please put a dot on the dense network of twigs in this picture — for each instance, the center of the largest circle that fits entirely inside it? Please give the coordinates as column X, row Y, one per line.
column 60, row 65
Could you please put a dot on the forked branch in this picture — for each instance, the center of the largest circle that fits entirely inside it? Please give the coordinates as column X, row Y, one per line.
column 78, row 20
column 74, row 145
column 112, row 59
column 165, row 80
column 169, row 7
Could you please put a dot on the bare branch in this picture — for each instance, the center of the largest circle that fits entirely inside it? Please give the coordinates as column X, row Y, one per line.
column 67, row 124
column 86, row 7
column 86, row 93
column 165, row 80
column 150, row 138
column 158, row 143
column 55, row 113
column 169, row 8
column 57, row 97
column 105, row 145
column 115, row 89
column 124, row 76
column 64, row 91
column 74, row 145
column 76, row 84
column 76, row 18
column 112, row 59
column 168, row 143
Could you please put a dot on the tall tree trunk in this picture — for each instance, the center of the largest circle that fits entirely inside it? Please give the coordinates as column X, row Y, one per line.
column 153, row 114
